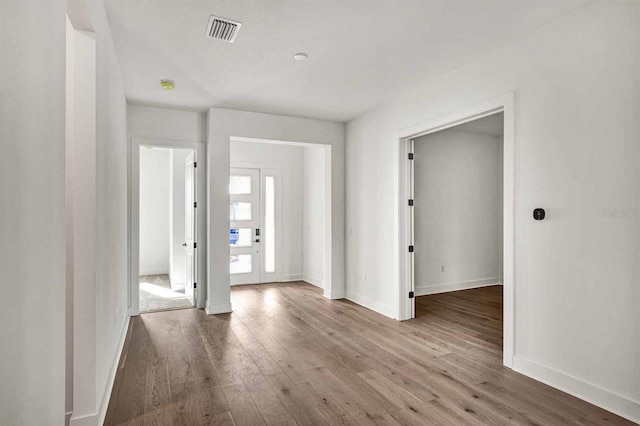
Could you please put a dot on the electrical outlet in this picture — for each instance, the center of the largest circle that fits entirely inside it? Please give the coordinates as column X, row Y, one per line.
column 442, row 269
column 364, row 277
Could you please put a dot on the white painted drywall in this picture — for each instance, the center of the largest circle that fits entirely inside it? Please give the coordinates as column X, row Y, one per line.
column 111, row 297
column 163, row 123
column 32, row 213
column 81, row 183
column 314, row 167
column 155, row 203
column 177, row 267
column 577, row 89
column 223, row 124
column 457, row 208
column 289, row 160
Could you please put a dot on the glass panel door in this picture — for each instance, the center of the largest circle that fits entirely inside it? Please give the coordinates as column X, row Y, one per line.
column 244, row 233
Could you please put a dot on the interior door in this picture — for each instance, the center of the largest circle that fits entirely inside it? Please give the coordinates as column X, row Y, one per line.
column 244, row 232
column 190, row 227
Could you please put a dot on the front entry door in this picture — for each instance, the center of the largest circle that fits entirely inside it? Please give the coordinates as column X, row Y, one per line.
column 190, row 227
column 244, row 234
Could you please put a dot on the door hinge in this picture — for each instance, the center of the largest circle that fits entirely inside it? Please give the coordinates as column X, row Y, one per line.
column 195, row 285
column 410, row 249
column 410, row 295
column 410, row 202
column 195, row 204
column 195, row 245
column 195, row 164
column 411, row 156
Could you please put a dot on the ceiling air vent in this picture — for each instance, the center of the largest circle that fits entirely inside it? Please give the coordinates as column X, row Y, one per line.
column 222, row 29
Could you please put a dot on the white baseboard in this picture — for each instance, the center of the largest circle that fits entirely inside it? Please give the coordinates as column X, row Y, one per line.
column 313, row 280
column 96, row 419
column 369, row 303
column 291, row 277
column 589, row 392
column 161, row 271
column 464, row 285
column 333, row 295
column 218, row 308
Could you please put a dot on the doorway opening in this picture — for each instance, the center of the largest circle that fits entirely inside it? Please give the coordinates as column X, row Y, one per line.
column 279, row 212
column 166, row 226
column 457, row 229
column 456, row 223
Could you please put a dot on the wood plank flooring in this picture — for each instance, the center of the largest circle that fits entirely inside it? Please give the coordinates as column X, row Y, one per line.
column 289, row 356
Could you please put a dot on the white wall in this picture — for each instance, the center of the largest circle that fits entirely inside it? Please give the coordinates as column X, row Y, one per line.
column 577, row 84
column 176, row 217
column 289, row 160
column 314, row 212
column 155, row 204
column 223, row 124
column 162, row 123
column 32, row 213
column 457, row 211
column 111, row 295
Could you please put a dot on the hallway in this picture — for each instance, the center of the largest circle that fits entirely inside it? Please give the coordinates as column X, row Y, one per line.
column 287, row 355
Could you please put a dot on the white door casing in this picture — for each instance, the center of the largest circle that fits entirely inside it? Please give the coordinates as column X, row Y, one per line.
column 190, row 244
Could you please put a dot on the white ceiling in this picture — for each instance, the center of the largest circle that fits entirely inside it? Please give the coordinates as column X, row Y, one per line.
column 361, row 52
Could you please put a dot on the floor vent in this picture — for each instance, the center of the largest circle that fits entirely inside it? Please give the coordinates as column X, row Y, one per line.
column 222, row 29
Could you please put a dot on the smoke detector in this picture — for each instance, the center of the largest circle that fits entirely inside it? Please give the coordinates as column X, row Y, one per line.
column 222, row 29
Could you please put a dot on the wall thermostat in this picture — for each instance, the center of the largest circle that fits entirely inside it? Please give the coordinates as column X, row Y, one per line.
column 538, row 214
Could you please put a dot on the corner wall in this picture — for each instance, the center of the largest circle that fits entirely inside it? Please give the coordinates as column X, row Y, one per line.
column 577, row 91
column 32, row 217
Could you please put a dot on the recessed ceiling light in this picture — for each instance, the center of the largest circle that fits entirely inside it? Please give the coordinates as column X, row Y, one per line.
column 300, row 56
column 167, row 84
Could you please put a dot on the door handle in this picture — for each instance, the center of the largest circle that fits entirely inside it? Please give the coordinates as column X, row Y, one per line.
column 184, row 244
column 256, row 241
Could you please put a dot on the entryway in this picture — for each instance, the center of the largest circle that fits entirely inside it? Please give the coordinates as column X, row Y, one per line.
column 456, row 224
column 167, row 225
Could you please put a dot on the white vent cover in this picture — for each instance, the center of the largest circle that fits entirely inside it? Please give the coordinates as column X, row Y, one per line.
column 222, row 29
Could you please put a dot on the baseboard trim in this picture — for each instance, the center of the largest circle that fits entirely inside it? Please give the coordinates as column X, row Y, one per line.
column 369, row 303
column 589, row 392
column 144, row 272
column 96, row 419
column 464, row 285
column 291, row 277
column 313, row 280
column 333, row 295
column 218, row 308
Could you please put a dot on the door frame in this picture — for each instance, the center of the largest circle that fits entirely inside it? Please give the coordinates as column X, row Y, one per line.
column 270, row 170
column 406, row 306
column 134, row 217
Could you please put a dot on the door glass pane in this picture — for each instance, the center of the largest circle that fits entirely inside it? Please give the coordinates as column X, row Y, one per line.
column 240, row 185
column 269, row 225
column 240, row 237
column 239, row 211
column 240, row 263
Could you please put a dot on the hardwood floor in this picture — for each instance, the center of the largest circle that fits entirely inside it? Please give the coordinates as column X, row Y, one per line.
column 288, row 356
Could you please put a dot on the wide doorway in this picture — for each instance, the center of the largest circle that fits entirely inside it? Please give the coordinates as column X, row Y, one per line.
column 279, row 212
column 167, row 212
column 457, row 178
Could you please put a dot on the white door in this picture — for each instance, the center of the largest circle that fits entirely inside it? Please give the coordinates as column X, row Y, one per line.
column 244, row 234
column 190, row 227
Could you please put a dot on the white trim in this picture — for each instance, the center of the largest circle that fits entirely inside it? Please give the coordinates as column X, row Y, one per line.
column 163, row 271
column 505, row 104
column 98, row 418
column 586, row 391
column 291, row 277
column 134, row 220
column 218, row 308
column 318, row 282
column 369, row 303
column 463, row 285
